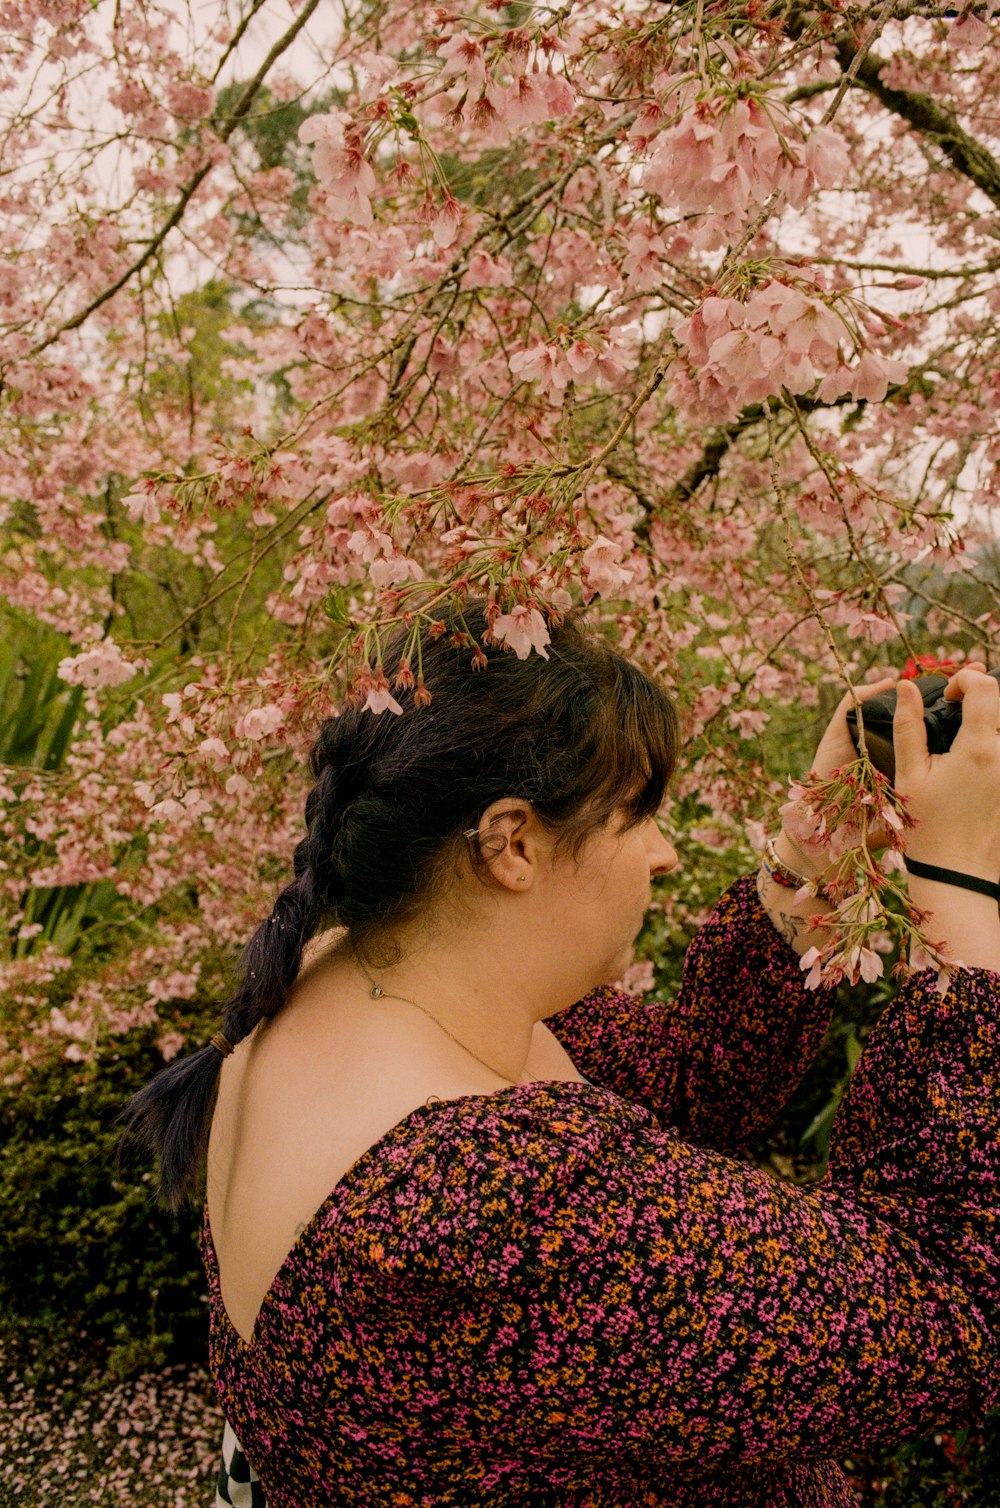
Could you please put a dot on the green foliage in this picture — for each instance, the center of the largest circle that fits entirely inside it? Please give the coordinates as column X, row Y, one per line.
column 88, row 1259
column 272, row 127
column 199, row 321
column 38, row 716
column 269, row 135
column 37, row 709
column 820, row 1128
column 493, row 177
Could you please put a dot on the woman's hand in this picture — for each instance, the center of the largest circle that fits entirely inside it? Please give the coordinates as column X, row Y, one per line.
column 955, row 799
column 792, row 913
column 836, row 747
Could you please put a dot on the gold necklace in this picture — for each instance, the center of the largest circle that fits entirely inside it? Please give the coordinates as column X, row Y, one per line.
column 376, row 992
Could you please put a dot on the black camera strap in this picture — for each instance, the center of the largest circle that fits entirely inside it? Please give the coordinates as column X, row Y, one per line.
column 953, row 877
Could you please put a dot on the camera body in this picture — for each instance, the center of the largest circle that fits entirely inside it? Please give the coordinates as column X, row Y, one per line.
column 942, row 719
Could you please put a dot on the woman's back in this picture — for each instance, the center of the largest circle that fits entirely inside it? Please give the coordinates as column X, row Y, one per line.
column 305, row 1096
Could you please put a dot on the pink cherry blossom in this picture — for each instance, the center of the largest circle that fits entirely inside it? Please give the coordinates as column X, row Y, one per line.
column 643, row 262
column 560, row 95
column 213, row 749
column 811, row 964
column 340, row 166
column 485, row 271
column 102, row 665
column 605, row 574
column 868, row 964
column 463, row 55
column 683, row 162
column 826, row 156
column 377, row 70
column 525, row 103
column 545, row 365
column 259, row 722
column 639, row 977
column 142, row 505
column 872, row 375
column 522, row 630
column 392, row 569
column 447, row 222
column 969, row 32
column 369, row 543
column 381, row 699
column 169, row 1044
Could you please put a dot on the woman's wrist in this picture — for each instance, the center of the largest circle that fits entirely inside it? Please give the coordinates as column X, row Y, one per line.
column 965, row 925
column 791, row 915
column 795, row 858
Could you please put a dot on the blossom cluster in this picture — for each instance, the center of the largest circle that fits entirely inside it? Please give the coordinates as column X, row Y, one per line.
column 648, row 311
column 743, row 351
column 723, row 156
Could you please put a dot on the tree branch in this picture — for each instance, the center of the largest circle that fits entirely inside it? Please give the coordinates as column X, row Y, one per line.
column 929, row 118
column 240, row 109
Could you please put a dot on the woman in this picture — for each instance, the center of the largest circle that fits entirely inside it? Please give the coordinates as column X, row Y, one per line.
column 468, row 1242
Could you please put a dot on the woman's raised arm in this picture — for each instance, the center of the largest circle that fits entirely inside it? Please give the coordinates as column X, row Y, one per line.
column 720, row 1060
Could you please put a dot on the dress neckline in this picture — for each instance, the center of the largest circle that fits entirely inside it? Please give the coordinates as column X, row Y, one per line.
column 415, row 1116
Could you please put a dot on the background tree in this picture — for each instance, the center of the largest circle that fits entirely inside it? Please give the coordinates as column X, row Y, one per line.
column 315, row 320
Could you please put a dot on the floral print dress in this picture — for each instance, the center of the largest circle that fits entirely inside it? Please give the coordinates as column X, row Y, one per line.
column 573, row 1295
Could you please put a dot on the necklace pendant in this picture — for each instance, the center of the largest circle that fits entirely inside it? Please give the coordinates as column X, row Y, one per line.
column 376, row 992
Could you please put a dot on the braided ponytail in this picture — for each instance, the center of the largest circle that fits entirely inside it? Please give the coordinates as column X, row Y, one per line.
column 171, row 1115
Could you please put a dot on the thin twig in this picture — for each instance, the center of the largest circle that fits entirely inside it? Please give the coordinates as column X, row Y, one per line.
column 240, row 109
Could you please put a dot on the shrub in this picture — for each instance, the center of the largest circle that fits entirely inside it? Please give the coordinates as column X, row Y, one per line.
column 88, row 1257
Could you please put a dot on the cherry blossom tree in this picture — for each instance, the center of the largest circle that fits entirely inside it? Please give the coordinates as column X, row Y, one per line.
column 686, row 313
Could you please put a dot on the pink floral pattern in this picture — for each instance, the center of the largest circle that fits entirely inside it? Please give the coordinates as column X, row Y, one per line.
column 568, row 1293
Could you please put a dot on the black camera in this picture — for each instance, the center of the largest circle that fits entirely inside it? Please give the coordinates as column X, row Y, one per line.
column 942, row 720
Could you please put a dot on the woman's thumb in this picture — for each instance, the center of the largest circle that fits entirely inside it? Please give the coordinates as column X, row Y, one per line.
column 909, row 735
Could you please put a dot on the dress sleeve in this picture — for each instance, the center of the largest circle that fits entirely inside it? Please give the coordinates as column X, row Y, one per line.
column 590, row 1279
column 721, row 1060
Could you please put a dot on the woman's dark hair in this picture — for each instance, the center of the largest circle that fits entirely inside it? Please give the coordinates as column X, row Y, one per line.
column 582, row 734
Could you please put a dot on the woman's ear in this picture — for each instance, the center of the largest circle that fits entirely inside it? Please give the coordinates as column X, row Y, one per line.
column 509, row 842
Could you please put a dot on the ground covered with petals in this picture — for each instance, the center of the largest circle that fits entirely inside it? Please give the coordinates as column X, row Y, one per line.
column 85, row 1440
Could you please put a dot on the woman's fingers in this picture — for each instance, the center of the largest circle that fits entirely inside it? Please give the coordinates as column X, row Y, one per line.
column 874, row 689
column 955, row 689
column 979, row 694
column 865, row 693
column 953, row 797
column 909, row 735
column 836, row 747
column 862, row 693
column 980, row 708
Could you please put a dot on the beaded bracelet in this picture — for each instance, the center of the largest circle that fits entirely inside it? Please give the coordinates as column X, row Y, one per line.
column 779, row 871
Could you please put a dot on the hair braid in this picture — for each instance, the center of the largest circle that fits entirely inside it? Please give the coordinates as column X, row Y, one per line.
column 171, row 1115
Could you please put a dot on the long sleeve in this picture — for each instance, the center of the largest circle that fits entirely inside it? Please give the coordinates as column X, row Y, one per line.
column 720, row 1061
column 639, row 1293
column 544, row 1289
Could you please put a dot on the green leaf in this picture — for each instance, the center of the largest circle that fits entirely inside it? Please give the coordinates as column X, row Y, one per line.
column 335, row 607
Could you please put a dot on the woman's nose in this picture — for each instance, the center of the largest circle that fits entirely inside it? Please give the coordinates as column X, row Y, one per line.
column 662, row 853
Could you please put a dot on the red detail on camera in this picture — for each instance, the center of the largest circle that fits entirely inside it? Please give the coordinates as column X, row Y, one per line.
column 927, row 665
